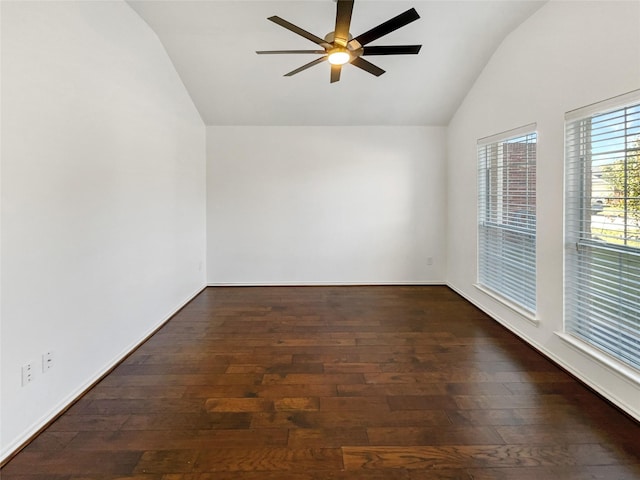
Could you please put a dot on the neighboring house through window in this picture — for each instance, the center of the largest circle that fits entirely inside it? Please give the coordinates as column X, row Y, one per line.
column 507, row 217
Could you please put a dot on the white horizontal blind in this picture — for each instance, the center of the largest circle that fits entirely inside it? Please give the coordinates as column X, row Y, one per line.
column 602, row 228
column 507, row 216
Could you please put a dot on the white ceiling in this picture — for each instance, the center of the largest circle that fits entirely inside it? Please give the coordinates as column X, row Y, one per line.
column 212, row 44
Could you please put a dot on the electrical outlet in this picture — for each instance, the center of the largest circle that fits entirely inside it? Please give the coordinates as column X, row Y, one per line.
column 27, row 374
column 47, row 361
column 429, row 260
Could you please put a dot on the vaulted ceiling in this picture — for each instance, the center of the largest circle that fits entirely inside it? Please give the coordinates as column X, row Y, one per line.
column 212, row 45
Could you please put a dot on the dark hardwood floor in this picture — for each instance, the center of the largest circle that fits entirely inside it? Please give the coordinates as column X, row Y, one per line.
column 341, row 383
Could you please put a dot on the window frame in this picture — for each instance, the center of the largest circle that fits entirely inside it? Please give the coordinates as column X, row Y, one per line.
column 498, row 227
column 598, row 318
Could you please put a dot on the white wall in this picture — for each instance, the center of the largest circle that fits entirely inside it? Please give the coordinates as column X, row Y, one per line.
column 103, row 198
column 319, row 205
column 567, row 55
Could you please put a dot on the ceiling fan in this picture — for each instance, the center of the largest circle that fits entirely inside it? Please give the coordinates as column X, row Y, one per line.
column 339, row 48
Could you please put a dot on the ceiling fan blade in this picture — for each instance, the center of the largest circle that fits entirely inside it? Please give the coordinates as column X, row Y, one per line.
column 303, row 33
column 273, row 52
column 304, row 67
column 367, row 66
column 335, row 73
column 344, row 9
column 392, row 50
column 387, row 27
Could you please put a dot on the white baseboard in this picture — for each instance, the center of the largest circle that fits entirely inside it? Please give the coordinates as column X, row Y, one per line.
column 321, row 284
column 20, row 442
column 631, row 410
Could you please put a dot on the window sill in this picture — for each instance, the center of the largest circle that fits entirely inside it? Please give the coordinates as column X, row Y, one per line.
column 526, row 314
column 629, row 373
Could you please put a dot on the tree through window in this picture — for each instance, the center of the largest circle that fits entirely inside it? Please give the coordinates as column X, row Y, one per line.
column 602, row 260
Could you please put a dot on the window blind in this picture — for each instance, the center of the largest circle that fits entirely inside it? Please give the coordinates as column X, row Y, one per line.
column 507, row 216
column 602, row 227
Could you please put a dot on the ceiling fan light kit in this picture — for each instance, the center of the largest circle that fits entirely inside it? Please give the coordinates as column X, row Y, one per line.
column 340, row 48
column 338, row 56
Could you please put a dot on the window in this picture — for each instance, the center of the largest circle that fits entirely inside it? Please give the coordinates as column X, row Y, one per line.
column 507, row 216
column 602, row 227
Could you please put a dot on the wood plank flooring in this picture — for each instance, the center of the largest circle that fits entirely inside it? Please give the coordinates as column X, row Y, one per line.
column 341, row 383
